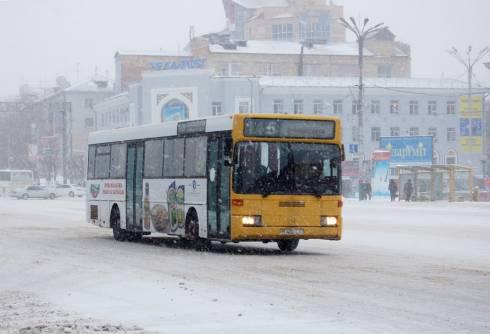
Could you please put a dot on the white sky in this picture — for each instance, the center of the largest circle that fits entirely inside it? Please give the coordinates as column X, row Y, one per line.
column 44, row 38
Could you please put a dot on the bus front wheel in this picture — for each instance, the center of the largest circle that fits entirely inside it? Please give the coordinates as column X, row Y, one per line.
column 288, row 245
column 118, row 233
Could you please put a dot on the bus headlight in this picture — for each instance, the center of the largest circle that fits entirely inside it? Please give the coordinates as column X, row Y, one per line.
column 328, row 221
column 252, row 221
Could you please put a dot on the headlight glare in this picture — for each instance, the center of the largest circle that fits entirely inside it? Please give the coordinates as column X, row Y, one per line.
column 252, row 221
column 328, row 221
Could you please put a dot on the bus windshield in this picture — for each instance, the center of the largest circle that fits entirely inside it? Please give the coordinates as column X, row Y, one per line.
column 286, row 168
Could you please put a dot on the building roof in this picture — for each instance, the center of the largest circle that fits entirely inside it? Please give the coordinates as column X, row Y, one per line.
column 349, row 82
column 254, row 4
column 183, row 53
column 92, row 86
column 291, row 48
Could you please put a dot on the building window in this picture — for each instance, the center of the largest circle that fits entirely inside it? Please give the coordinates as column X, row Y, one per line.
column 243, row 107
column 216, row 108
column 278, row 106
column 298, row 106
column 375, row 107
column 451, row 134
column 451, row 108
column 451, row 158
column 231, row 69
column 433, row 133
column 414, row 108
column 318, row 32
column 356, row 106
column 395, row 132
column 89, row 103
column 375, row 133
column 282, row 32
column 337, row 106
column 269, row 69
column 89, row 122
column 394, row 107
column 318, row 107
column 355, row 134
column 435, row 158
column 384, row 71
column 432, row 108
column 414, row 131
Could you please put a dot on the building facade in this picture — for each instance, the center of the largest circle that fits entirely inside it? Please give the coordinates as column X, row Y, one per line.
column 62, row 123
column 275, row 37
column 392, row 108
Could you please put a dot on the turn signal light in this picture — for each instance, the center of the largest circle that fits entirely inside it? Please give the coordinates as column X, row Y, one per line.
column 237, row 202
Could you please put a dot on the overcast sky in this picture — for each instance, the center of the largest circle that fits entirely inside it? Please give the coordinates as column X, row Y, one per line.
column 41, row 39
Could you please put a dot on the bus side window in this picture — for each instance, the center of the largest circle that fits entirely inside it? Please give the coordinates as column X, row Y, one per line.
column 91, row 162
column 118, row 161
column 102, row 161
column 173, row 165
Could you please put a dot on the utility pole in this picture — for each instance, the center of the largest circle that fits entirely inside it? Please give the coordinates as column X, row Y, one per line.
column 361, row 32
column 469, row 63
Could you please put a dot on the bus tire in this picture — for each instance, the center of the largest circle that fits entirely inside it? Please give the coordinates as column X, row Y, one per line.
column 192, row 232
column 134, row 236
column 288, row 245
column 118, row 233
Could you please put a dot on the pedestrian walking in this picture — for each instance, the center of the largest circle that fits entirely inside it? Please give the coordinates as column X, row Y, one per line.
column 393, row 188
column 408, row 190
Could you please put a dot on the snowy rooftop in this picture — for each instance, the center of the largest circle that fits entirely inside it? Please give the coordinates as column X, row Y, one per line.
column 344, row 82
column 254, row 4
column 291, row 48
column 90, row 86
column 182, row 53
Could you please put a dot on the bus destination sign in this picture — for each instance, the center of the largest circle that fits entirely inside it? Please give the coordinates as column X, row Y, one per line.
column 289, row 128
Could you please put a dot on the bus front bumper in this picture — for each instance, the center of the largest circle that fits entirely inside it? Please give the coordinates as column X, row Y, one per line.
column 260, row 233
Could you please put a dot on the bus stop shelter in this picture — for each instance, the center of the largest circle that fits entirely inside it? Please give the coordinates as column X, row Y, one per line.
column 437, row 182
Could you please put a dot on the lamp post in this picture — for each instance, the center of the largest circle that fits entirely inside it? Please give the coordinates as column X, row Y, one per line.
column 361, row 32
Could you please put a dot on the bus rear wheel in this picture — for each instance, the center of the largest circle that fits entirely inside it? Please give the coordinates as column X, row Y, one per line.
column 288, row 245
column 118, row 233
column 192, row 231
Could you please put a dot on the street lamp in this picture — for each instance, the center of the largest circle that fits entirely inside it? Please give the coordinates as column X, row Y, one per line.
column 361, row 32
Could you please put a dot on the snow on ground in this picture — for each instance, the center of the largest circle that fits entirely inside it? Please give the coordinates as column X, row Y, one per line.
column 401, row 267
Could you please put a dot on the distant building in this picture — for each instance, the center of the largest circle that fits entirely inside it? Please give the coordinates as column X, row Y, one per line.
column 63, row 121
column 275, row 37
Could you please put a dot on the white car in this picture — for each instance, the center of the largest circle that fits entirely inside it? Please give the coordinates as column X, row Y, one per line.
column 69, row 190
column 35, row 192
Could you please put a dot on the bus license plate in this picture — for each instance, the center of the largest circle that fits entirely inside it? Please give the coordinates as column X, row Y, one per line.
column 292, row 231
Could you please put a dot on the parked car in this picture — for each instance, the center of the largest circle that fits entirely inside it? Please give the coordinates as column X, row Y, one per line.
column 34, row 192
column 69, row 190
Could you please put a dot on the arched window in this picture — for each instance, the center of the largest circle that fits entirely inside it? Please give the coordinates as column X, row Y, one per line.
column 451, row 158
column 174, row 110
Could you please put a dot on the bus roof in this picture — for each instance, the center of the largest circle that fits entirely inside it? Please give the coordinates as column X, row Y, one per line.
column 167, row 129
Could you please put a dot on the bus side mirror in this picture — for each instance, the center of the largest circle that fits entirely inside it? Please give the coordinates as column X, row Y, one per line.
column 342, row 153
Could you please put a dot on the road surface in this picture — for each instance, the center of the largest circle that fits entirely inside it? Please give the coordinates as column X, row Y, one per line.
column 401, row 268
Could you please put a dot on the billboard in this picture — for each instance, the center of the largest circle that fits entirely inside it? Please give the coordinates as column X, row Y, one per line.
column 470, row 125
column 415, row 150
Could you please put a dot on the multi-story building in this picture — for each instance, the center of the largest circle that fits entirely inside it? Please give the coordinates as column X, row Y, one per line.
column 62, row 122
column 275, row 37
column 392, row 108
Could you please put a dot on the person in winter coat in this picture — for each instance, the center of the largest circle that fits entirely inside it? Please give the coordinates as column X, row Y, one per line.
column 408, row 190
column 393, row 188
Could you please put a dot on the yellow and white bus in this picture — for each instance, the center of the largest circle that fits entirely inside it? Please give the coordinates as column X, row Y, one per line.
column 243, row 177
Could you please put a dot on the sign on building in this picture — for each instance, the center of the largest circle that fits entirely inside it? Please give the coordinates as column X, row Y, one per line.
column 416, row 150
column 470, row 125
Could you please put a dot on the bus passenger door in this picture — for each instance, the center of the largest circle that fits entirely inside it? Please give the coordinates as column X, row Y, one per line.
column 134, row 187
column 218, row 190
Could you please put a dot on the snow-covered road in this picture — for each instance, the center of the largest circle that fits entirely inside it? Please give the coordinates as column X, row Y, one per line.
column 401, row 268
